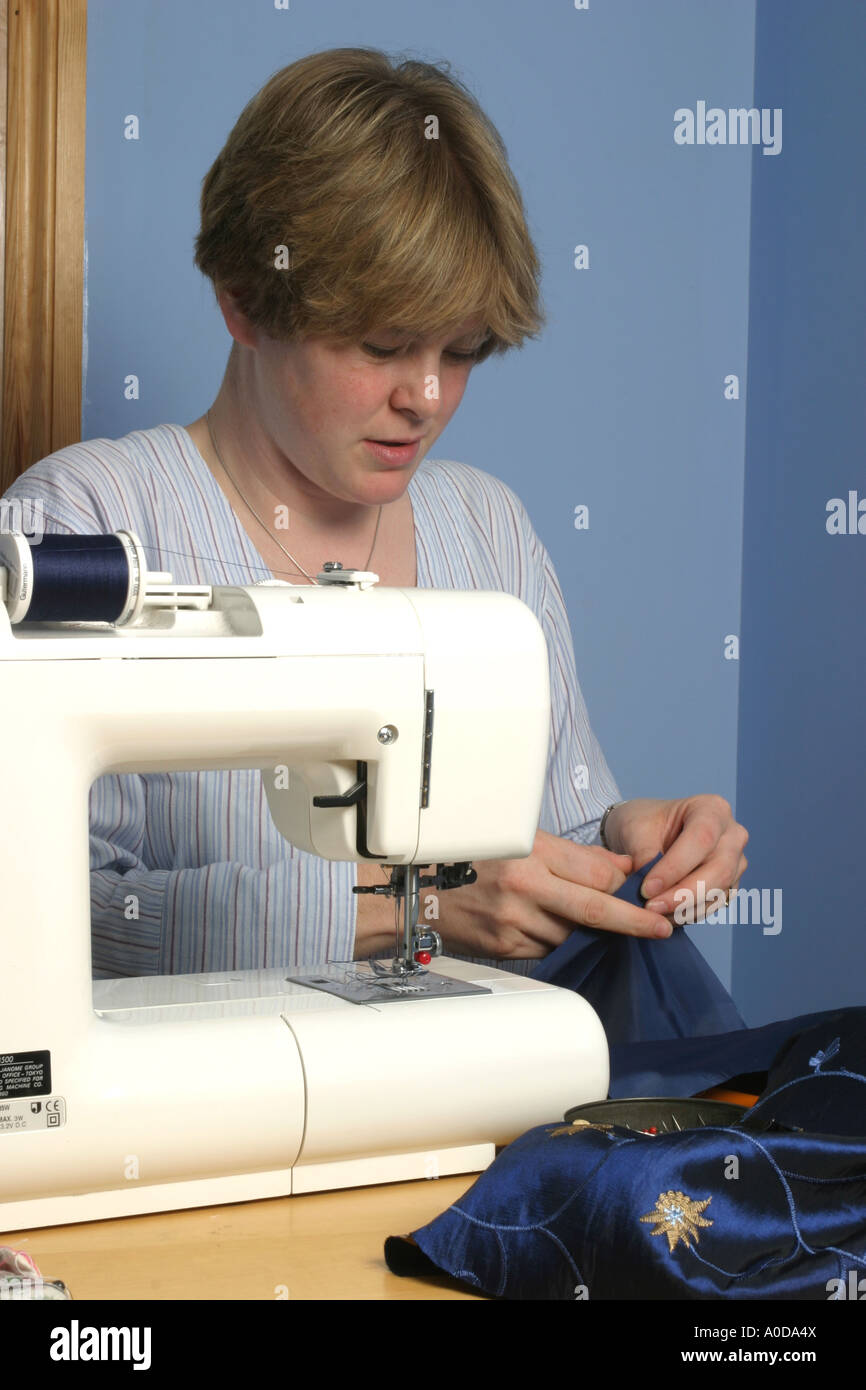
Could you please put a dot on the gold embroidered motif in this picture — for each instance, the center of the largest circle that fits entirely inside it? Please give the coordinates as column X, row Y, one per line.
column 678, row 1217
column 576, row 1126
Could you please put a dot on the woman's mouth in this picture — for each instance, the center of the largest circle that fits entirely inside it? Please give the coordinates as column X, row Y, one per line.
column 392, row 451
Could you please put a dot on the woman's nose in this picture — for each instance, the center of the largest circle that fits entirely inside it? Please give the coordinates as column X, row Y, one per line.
column 418, row 390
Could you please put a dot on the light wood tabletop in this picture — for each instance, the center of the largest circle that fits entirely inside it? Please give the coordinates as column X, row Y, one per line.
column 325, row 1245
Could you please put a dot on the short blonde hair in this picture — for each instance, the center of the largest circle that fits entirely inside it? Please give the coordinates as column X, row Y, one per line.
column 384, row 226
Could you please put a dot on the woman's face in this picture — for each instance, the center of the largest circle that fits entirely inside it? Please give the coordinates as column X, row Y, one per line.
column 319, row 402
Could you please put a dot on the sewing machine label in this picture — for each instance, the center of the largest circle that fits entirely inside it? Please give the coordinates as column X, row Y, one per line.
column 18, row 1115
column 24, row 1074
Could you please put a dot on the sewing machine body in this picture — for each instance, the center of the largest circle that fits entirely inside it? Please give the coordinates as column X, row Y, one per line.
column 181, row 1091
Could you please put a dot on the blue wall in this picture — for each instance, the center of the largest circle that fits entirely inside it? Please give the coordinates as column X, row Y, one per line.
column 802, row 755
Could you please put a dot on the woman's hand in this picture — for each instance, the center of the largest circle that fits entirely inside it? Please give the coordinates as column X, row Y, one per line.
column 701, row 842
column 524, row 908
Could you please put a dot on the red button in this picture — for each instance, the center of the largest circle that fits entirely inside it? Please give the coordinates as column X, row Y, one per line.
column 423, row 957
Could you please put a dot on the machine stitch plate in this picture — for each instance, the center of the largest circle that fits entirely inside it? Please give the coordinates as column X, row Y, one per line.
column 360, row 984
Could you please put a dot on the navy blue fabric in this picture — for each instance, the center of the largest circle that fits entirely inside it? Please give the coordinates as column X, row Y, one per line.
column 672, row 1028
column 642, row 989
column 682, row 1067
column 771, row 1207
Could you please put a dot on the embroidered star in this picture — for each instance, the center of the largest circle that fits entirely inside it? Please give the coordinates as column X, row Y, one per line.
column 678, row 1217
column 576, row 1126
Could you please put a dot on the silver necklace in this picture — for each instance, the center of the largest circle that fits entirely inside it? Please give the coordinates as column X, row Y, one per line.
column 266, row 528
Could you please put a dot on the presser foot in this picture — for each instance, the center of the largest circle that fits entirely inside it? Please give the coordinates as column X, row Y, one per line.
column 416, row 946
column 406, row 976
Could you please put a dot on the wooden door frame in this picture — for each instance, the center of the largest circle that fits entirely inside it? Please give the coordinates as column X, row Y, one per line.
column 43, row 103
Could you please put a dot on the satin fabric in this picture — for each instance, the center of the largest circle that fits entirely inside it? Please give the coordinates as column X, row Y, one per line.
column 642, row 989
column 685, row 1066
column 771, row 1207
column 672, row 1028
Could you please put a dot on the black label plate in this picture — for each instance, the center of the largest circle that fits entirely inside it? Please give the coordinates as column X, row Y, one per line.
column 24, row 1074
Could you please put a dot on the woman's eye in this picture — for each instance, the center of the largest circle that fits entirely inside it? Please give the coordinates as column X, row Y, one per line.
column 390, row 352
column 377, row 351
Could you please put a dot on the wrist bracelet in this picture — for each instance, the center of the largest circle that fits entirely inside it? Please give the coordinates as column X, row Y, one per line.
column 604, row 823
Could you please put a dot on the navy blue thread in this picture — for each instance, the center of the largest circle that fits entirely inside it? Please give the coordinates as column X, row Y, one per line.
column 566, row 1252
column 503, row 1256
column 552, row 1216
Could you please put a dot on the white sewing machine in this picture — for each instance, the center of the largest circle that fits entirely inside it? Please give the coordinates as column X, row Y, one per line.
column 420, row 718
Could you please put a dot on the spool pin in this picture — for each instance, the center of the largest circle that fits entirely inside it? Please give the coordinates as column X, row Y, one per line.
column 86, row 579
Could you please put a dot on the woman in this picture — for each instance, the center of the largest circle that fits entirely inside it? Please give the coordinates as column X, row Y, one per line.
column 367, row 246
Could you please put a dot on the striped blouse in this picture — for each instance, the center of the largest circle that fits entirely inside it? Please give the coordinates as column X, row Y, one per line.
column 217, row 887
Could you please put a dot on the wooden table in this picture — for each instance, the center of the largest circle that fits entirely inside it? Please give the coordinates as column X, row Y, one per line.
column 326, row 1245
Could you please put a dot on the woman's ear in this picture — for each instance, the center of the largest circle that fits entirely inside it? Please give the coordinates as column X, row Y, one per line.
column 236, row 321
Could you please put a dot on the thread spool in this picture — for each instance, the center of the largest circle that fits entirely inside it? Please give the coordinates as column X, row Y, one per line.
column 74, row 578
